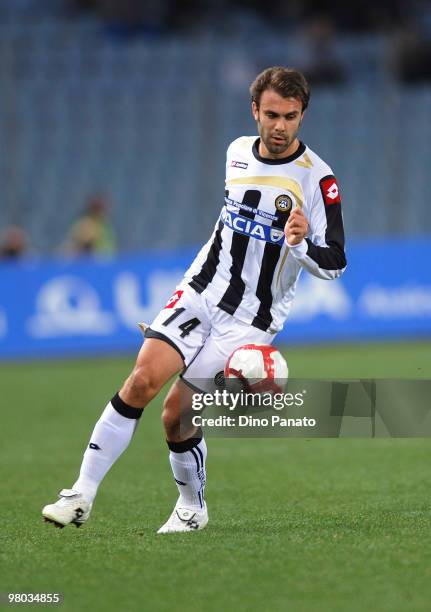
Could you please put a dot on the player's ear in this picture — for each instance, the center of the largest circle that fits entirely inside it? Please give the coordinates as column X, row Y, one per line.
column 254, row 110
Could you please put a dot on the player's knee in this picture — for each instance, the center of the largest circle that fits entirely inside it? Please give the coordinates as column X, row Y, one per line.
column 142, row 385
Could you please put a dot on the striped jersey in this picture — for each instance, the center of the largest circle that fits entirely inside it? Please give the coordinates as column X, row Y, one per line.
column 246, row 268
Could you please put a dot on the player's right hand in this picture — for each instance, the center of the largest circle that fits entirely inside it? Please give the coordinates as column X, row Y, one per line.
column 296, row 227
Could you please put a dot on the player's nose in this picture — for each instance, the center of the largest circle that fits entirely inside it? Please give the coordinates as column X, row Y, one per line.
column 280, row 126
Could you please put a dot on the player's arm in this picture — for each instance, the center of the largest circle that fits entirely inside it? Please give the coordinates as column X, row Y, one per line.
column 322, row 253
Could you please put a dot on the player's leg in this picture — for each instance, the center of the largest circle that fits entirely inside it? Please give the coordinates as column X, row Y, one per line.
column 188, row 451
column 187, row 456
column 156, row 363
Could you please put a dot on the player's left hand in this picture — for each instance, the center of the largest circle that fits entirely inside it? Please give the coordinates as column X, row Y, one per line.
column 296, row 227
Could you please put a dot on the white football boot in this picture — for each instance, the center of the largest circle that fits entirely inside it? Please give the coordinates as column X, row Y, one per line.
column 70, row 508
column 185, row 519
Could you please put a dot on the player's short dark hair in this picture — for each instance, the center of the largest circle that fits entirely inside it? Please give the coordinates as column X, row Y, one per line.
column 287, row 82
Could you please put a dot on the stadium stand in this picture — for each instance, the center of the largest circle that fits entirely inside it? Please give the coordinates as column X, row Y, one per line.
column 147, row 120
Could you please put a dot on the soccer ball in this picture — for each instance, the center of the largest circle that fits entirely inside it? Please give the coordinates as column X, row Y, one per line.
column 259, row 368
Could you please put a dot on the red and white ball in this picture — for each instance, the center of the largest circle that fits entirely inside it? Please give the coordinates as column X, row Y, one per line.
column 259, row 368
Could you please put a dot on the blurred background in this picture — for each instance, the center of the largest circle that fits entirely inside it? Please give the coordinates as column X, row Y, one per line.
column 114, row 120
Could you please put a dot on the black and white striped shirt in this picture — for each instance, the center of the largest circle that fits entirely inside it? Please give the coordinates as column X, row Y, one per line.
column 246, row 267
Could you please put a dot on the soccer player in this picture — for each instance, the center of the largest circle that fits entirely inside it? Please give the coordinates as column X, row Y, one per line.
column 281, row 214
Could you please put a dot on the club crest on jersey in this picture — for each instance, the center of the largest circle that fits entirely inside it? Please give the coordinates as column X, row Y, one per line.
column 174, row 299
column 283, row 203
column 239, row 164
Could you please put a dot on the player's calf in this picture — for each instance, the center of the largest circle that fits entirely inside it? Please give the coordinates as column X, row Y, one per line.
column 177, row 413
column 156, row 363
column 187, row 457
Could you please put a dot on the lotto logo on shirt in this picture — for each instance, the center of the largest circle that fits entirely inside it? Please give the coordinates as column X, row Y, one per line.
column 330, row 190
column 238, row 164
column 174, row 299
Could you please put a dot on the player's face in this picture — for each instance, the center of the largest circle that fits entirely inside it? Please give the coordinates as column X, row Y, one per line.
column 278, row 120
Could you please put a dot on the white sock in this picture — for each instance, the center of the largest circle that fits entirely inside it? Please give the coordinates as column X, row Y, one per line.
column 110, row 437
column 188, row 466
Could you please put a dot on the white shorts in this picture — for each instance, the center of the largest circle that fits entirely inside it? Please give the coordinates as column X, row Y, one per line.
column 203, row 334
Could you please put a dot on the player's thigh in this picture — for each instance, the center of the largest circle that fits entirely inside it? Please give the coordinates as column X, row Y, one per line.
column 156, row 363
column 205, row 370
column 159, row 358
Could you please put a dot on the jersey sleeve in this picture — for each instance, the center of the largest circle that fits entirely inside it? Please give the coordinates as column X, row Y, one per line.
column 322, row 254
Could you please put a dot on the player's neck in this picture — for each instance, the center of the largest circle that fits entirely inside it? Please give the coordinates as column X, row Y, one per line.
column 263, row 151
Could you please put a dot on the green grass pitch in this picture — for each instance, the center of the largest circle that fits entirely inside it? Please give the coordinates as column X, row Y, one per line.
column 295, row 524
